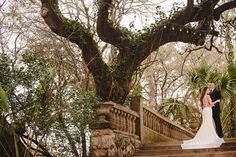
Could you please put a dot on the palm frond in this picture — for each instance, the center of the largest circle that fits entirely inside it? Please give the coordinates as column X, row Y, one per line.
column 200, row 75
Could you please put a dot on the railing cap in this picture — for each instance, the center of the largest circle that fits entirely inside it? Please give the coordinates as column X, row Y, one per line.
column 120, row 107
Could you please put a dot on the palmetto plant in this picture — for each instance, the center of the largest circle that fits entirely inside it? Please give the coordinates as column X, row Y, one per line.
column 228, row 88
column 228, row 80
column 175, row 110
column 199, row 76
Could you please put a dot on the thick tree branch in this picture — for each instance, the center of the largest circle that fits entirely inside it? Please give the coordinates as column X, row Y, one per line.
column 106, row 30
column 184, row 16
column 175, row 29
column 226, row 6
column 194, row 13
column 77, row 33
column 205, row 9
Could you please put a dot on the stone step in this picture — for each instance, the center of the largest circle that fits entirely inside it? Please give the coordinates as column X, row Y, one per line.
column 218, row 154
column 227, row 149
column 177, row 146
column 230, row 139
column 182, row 152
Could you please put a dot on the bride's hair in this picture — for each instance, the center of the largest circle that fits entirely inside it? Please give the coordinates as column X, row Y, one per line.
column 202, row 95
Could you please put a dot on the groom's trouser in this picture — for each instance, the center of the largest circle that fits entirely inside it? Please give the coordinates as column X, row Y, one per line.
column 216, row 117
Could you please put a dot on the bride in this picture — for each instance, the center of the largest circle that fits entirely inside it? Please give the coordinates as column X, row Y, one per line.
column 206, row 136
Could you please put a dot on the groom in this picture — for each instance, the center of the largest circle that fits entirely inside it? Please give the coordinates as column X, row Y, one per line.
column 215, row 95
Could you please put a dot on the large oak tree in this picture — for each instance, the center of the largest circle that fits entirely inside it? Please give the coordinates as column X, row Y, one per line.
column 113, row 81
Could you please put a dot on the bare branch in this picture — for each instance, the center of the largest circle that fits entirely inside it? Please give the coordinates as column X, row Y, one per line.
column 1, row 5
column 43, row 150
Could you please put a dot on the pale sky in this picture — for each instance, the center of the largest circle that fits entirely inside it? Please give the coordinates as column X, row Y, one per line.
column 137, row 21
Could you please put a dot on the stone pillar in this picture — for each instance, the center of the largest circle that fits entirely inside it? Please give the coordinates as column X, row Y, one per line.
column 137, row 106
column 135, row 103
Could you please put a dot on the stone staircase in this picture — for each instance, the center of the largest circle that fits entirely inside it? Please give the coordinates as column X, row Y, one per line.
column 227, row 149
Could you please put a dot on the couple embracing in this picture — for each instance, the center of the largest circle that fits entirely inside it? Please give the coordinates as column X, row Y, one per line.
column 210, row 134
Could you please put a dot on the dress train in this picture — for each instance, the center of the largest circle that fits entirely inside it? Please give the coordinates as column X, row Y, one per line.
column 206, row 136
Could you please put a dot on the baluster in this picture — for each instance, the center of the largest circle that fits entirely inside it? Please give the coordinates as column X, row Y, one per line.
column 149, row 119
column 126, row 127
column 161, row 126
column 170, row 127
column 164, row 127
column 154, row 123
column 119, row 119
column 116, row 119
column 152, row 120
column 158, row 125
column 144, row 117
column 123, row 120
column 176, row 133
column 112, row 118
column 133, row 124
column 127, row 123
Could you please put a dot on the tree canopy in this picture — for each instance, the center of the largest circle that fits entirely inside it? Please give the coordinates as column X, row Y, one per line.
column 189, row 24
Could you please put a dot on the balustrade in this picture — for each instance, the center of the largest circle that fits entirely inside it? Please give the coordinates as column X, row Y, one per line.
column 122, row 129
column 120, row 118
column 162, row 126
column 142, row 122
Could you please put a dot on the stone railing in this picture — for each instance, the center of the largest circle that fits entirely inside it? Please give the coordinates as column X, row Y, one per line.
column 156, row 128
column 122, row 130
column 117, row 117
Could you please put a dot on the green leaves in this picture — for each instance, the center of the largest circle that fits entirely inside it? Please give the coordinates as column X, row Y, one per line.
column 201, row 75
column 3, row 98
column 228, row 81
column 174, row 107
column 82, row 108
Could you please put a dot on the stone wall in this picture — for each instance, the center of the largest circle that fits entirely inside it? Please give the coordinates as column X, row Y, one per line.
column 110, row 143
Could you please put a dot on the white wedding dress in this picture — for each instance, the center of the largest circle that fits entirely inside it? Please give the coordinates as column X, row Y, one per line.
column 206, row 136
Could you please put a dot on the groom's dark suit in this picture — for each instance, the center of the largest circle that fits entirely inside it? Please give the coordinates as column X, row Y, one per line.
column 215, row 95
